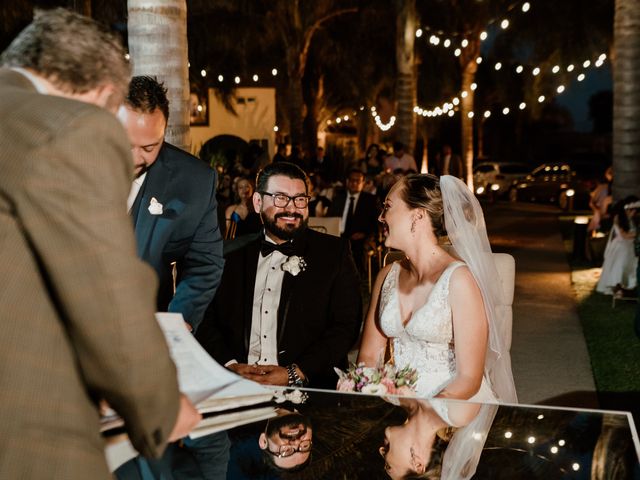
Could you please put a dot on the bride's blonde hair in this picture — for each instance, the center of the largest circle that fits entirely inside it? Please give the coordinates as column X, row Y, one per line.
column 423, row 191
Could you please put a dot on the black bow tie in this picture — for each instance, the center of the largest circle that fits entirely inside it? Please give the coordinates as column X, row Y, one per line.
column 285, row 248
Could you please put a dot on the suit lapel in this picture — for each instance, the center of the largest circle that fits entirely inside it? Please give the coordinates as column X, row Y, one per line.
column 288, row 289
column 155, row 186
column 250, row 267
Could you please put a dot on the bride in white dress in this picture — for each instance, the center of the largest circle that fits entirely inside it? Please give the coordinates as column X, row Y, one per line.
column 439, row 311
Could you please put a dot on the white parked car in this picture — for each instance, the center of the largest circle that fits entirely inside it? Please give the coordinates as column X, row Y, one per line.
column 497, row 176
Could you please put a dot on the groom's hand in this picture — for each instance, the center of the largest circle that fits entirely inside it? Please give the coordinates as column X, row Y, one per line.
column 269, row 375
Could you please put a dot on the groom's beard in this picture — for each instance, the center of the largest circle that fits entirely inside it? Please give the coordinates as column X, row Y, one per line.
column 287, row 233
column 292, row 420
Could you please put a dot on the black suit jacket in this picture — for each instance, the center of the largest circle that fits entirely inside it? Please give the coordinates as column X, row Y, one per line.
column 365, row 216
column 319, row 314
column 186, row 232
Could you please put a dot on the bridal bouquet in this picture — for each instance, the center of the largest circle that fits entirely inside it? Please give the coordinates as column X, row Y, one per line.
column 384, row 379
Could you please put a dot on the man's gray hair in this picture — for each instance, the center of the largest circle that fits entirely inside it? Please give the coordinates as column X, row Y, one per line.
column 73, row 52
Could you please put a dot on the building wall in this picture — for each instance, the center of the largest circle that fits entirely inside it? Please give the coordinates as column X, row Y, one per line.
column 255, row 119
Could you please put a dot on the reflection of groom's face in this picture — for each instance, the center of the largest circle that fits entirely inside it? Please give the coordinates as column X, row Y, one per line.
column 290, row 428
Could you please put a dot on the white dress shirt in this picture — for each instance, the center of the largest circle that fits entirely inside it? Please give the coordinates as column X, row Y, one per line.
column 136, row 185
column 263, row 342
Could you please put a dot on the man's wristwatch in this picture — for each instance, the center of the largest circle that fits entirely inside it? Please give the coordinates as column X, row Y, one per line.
column 294, row 378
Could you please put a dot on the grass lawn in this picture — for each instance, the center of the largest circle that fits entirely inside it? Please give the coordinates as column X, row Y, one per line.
column 613, row 346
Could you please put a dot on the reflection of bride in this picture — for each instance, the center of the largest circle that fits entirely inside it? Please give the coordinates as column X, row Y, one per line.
column 445, row 338
column 416, row 448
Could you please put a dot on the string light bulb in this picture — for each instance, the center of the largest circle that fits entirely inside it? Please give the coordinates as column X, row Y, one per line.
column 236, row 80
column 560, row 89
column 555, row 69
column 581, row 77
column 535, row 71
column 470, row 114
column 586, row 64
column 220, row 78
column 504, row 24
column 526, row 6
column 483, row 36
column 203, row 72
column 255, row 78
column 505, row 111
column 464, row 43
column 541, row 99
column 522, row 106
column 498, row 66
column 519, row 69
column 487, row 114
column 457, row 52
column 419, row 33
column 479, row 60
column 570, row 68
column 446, row 43
column 274, row 72
column 473, row 86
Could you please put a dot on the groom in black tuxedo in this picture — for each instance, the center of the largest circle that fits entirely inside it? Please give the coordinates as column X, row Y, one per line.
column 288, row 308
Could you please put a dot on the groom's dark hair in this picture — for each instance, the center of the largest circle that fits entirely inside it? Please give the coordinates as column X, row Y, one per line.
column 285, row 169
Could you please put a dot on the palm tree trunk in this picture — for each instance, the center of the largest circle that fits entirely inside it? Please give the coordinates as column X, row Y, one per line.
column 469, row 68
column 466, row 123
column 626, row 99
column 406, row 79
column 158, row 47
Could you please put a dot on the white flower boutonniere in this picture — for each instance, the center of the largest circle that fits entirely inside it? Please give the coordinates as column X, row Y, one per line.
column 294, row 265
column 155, row 207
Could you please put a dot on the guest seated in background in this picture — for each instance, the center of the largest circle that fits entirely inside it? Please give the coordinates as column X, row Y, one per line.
column 400, row 160
column 620, row 261
column 289, row 308
column 359, row 215
column 318, row 203
column 241, row 218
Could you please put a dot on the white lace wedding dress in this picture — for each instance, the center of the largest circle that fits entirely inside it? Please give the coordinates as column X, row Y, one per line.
column 426, row 342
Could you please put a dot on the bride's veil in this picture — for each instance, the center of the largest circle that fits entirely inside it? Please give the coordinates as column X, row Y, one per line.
column 467, row 232
column 465, row 226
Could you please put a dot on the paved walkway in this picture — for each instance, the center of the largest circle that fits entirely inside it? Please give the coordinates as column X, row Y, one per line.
column 549, row 355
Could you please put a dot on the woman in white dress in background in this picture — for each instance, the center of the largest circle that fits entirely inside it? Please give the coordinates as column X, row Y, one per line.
column 620, row 261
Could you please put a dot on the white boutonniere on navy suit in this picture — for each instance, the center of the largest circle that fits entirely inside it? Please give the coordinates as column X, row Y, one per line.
column 155, row 207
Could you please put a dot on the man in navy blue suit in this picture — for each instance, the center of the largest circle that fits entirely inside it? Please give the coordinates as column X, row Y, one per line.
column 173, row 206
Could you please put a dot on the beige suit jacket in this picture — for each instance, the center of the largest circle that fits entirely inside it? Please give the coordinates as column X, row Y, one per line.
column 76, row 306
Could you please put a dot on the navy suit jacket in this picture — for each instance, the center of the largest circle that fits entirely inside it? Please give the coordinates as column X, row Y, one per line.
column 319, row 314
column 186, row 232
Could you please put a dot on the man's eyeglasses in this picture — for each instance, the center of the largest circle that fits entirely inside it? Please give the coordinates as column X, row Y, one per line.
column 287, row 450
column 281, row 200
